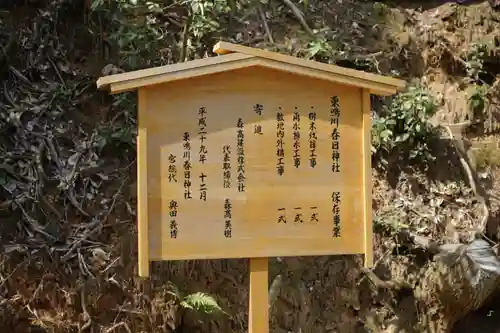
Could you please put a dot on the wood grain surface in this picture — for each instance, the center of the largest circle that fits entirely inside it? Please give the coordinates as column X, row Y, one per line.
column 257, row 195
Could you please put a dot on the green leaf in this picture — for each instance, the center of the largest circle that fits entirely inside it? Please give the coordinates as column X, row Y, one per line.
column 186, row 305
column 173, row 290
column 407, row 105
column 96, row 4
column 3, row 177
column 385, row 134
column 391, row 122
column 402, row 137
column 201, row 302
column 315, row 49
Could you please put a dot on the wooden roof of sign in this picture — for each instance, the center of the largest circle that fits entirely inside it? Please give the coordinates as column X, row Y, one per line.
column 233, row 57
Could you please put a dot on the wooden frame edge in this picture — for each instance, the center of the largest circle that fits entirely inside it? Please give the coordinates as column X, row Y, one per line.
column 390, row 85
column 142, row 181
column 367, row 176
column 233, row 53
column 156, row 75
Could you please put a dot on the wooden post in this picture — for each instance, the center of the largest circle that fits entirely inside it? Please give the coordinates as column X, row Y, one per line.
column 367, row 176
column 258, row 316
column 142, row 192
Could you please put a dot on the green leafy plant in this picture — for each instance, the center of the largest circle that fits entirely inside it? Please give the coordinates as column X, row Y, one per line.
column 391, row 225
column 319, row 48
column 205, row 15
column 133, row 29
column 478, row 97
column 202, row 303
column 140, row 30
column 475, row 60
column 381, row 9
column 113, row 136
column 402, row 129
column 197, row 303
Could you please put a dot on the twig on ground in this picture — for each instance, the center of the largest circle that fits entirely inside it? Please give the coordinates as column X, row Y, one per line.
column 86, row 315
column 71, row 197
column 110, row 265
column 92, row 228
column 38, row 288
column 83, row 265
column 298, row 14
column 460, row 149
column 379, row 284
column 113, row 203
column 115, row 326
column 5, row 279
column 35, row 226
column 264, row 23
column 375, row 265
column 21, row 77
column 185, row 37
column 57, row 71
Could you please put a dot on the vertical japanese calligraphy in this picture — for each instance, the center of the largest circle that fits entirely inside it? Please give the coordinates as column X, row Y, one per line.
column 314, row 215
column 226, row 166
column 241, row 155
column 172, row 207
column 312, row 139
column 336, row 214
column 203, row 187
column 228, row 228
column 335, row 135
column 258, row 109
column 296, row 138
column 282, row 215
column 187, row 166
column 280, row 134
column 172, row 169
column 202, row 124
column 298, row 215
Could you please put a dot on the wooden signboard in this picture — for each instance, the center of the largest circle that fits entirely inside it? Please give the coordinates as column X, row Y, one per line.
column 253, row 155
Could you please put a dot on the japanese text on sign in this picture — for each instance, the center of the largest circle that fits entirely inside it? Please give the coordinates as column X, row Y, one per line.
column 228, row 228
column 226, row 165
column 296, row 138
column 173, row 218
column 241, row 156
column 312, row 139
column 336, row 214
column 280, row 134
column 187, row 166
column 334, row 121
column 202, row 123
column 233, row 164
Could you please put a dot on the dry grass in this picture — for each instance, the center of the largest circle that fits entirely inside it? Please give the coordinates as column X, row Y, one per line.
column 487, row 156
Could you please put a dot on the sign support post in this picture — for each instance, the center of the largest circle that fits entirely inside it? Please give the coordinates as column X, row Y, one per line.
column 258, row 305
